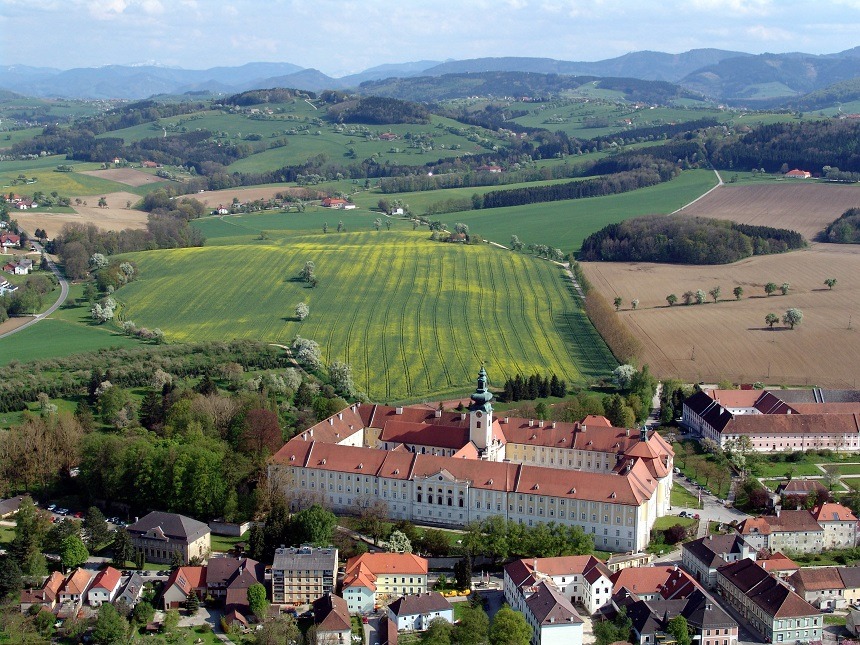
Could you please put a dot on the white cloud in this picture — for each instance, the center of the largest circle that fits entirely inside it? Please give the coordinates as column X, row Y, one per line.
column 152, row 7
column 770, row 34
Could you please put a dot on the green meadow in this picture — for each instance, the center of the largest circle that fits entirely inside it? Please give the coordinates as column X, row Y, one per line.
column 414, row 318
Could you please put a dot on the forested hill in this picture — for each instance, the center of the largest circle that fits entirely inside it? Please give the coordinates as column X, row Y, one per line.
column 517, row 84
column 809, row 145
column 685, row 240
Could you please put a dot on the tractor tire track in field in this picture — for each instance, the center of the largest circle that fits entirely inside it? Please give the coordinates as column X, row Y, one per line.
column 436, row 307
column 497, row 294
column 523, row 314
column 368, row 277
column 451, row 326
column 367, row 328
column 385, row 328
column 539, row 322
column 419, row 342
column 403, row 325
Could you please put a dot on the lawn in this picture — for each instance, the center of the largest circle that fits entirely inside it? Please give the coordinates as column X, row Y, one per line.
column 682, row 498
column 844, row 469
column 413, row 318
column 224, row 543
column 668, row 521
column 7, row 534
column 803, row 464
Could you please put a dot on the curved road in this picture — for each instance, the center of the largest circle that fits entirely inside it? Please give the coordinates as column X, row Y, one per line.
column 64, row 293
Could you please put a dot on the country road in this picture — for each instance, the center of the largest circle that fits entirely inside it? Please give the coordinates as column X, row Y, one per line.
column 64, row 293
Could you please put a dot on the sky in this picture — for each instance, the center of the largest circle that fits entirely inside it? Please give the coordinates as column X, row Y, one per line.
column 341, row 37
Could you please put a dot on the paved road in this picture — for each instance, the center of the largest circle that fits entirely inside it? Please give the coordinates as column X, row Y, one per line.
column 64, row 293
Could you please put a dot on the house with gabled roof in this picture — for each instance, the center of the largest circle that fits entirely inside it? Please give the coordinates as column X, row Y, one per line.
column 105, row 587
column 159, row 534
column 132, row 590
column 332, row 620
column 707, row 623
column 770, row 607
column 74, row 589
column 414, row 613
column 373, row 578
column 839, row 524
column 650, row 583
column 702, row 557
column 45, row 596
column 583, row 579
column 821, row 587
column 552, row 617
column 183, row 581
column 785, row 531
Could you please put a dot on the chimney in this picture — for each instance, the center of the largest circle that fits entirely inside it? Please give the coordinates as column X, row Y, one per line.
column 507, row 419
column 304, row 436
column 553, row 424
column 311, row 432
column 462, row 416
column 627, row 432
column 331, row 421
column 534, row 565
column 340, row 415
column 398, row 410
column 540, row 423
column 438, row 414
column 531, row 423
column 789, row 411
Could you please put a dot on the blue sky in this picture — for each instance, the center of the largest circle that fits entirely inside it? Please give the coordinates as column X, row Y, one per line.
column 340, row 37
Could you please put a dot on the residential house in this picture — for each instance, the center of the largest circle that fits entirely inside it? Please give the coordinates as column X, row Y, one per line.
column 9, row 240
column 388, row 136
column 105, row 587
column 159, row 534
column 183, row 582
column 785, row 531
column 851, row 579
column 583, row 579
column 767, row 604
column 300, row 575
column 650, row 583
column 373, row 578
column 776, row 563
column 797, row 174
column 74, row 589
column 132, row 590
column 702, row 557
column 839, row 524
column 45, row 596
column 228, row 579
column 9, row 506
column 821, row 587
column 6, row 287
column 332, row 620
column 707, row 623
column 334, row 202
column 22, row 267
column 415, row 613
column 552, row 617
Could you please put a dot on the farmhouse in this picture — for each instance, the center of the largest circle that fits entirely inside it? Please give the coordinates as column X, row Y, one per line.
column 777, row 420
column 334, row 202
column 449, row 469
column 797, row 174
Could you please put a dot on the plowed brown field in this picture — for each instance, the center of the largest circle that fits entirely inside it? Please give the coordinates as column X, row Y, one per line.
column 729, row 339
column 803, row 207
column 113, row 218
column 127, row 176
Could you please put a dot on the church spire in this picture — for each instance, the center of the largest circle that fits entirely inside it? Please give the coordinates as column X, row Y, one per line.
column 482, row 396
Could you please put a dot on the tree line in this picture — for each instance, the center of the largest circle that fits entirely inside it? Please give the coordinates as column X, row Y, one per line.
column 379, row 111
column 533, row 387
column 845, row 229
column 685, row 240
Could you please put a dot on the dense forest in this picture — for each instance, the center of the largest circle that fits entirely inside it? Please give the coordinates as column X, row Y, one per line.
column 845, row 230
column 378, row 111
column 273, row 95
column 684, row 240
column 808, row 145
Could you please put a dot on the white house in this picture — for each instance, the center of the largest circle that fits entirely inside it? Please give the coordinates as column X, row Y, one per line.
column 105, row 587
column 415, row 613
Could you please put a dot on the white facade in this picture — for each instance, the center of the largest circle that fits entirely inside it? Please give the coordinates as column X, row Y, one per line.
column 360, row 600
column 420, row 622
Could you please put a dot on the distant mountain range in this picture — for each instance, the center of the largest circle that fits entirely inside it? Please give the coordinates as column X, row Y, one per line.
column 719, row 75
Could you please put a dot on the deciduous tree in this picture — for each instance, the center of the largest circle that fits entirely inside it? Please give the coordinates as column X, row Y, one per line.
column 671, row 299
column 738, row 291
column 792, row 317
column 770, row 288
column 510, row 628
column 830, row 282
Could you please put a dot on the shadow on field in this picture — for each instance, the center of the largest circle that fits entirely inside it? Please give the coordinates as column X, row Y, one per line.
column 768, row 329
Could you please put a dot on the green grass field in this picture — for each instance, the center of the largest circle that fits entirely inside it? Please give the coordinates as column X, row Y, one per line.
column 68, row 184
column 412, row 317
column 668, row 521
column 845, row 469
column 681, row 497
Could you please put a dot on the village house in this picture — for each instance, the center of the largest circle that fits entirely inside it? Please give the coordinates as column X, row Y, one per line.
column 776, row 612
column 183, row 582
column 45, row 596
column 797, row 174
column 332, row 620
column 451, row 468
column 105, row 587
column 73, row 590
column 228, row 579
column 702, row 557
column 785, row 531
column 414, row 613
column 372, row 579
column 159, row 534
column 132, row 590
column 552, row 617
column 334, row 202
column 651, row 583
column 707, row 623
column 300, row 575
column 839, row 524
column 8, row 240
column 583, row 579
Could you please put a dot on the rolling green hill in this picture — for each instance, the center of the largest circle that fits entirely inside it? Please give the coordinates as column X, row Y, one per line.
column 412, row 317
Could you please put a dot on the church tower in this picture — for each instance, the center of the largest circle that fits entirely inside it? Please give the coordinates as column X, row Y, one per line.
column 481, row 414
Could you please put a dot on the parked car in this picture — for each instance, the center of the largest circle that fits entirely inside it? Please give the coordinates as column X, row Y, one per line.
column 696, row 516
column 62, row 511
column 79, row 514
column 51, row 507
column 364, row 619
column 682, row 514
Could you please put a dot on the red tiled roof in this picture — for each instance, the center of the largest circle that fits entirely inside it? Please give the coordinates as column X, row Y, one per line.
column 735, row 398
column 107, row 579
column 668, row 581
column 389, row 563
column 770, row 424
column 187, row 579
column 827, row 408
column 817, row 579
column 409, row 432
column 778, row 562
column 77, row 582
column 831, row 512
